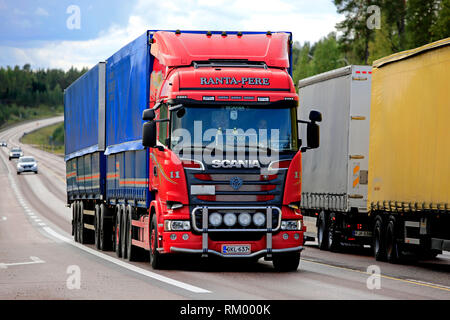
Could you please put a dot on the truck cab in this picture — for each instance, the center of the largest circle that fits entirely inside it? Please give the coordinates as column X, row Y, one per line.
column 225, row 165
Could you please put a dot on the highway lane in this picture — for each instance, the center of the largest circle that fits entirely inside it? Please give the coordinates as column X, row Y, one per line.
column 322, row 275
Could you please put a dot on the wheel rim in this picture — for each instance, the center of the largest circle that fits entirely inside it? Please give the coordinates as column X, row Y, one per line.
column 153, row 242
column 320, row 234
column 377, row 240
column 390, row 243
column 331, row 236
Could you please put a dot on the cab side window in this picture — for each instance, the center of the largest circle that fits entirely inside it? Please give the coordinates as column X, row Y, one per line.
column 163, row 126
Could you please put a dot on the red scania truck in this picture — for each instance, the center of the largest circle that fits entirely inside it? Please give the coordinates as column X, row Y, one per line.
column 186, row 142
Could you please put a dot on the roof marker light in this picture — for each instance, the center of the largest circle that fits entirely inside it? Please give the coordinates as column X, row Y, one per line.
column 178, row 31
column 263, row 99
column 268, row 33
column 208, row 34
column 239, row 34
column 224, row 34
column 209, row 98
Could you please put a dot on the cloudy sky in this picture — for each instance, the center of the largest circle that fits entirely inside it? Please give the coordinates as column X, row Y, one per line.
column 65, row 33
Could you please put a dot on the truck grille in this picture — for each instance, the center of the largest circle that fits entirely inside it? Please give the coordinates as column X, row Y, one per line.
column 238, row 187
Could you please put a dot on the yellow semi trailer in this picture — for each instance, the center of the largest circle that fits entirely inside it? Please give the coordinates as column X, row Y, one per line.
column 409, row 152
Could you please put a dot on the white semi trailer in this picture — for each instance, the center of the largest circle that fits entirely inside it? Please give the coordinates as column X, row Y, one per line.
column 335, row 176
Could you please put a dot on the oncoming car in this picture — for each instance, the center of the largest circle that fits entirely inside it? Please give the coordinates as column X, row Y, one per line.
column 27, row 164
column 15, row 153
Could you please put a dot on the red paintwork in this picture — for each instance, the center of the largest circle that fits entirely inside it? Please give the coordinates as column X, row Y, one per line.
column 173, row 75
column 293, row 187
column 180, row 50
column 187, row 82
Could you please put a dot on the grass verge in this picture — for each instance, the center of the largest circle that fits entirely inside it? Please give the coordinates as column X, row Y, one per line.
column 46, row 139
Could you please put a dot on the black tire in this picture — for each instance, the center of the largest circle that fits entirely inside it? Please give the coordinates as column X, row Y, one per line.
column 97, row 227
column 322, row 231
column 379, row 247
column 105, row 230
column 133, row 253
column 286, row 262
column 334, row 243
column 75, row 221
column 72, row 206
column 82, row 231
column 118, row 231
column 156, row 259
column 393, row 254
column 124, row 233
column 429, row 254
column 18, row 173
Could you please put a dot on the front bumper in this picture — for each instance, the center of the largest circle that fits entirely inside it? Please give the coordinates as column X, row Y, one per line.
column 21, row 169
column 260, row 253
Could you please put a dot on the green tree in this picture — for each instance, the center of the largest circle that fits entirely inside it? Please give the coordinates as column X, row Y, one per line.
column 420, row 17
column 441, row 28
column 356, row 35
column 327, row 55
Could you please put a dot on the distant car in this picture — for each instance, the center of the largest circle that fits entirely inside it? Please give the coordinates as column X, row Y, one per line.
column 3, row 144
column 15, row 153
column 27, row 164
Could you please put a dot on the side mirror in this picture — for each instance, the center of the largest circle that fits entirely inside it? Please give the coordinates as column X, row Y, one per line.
column 313, row 135
column 148, row 115
column 149, row 134
column 315, row 116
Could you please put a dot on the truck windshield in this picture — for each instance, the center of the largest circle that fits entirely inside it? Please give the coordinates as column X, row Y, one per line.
column 272, row 128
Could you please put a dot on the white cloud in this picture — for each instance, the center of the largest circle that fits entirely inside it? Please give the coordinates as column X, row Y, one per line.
column 261, row 15
column 41, row 12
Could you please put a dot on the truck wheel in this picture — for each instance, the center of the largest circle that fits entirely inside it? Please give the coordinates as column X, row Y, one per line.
column 429, row 254
column 124, row 233
column 118, row 231
column 379, row 248
column 97, row 227
column 286, row 262
column 105, row 227
column 82, row 231
column 393, row 254
column 133, row 252
column 155, row 256
column 322, row 232
column 333, row 238
column 73, row 206
column 75, row 221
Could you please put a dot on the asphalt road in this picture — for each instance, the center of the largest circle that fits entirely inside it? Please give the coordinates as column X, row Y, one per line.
column 39, row 259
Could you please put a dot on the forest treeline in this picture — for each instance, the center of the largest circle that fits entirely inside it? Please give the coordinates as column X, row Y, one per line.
column 28, row 94
column 370, row 29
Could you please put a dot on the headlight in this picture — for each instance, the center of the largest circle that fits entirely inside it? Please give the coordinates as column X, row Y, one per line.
column 215, row 219
column 291, row 225
column 259, row 219
column 177, row 225
column 229, row 219
column 244, row 219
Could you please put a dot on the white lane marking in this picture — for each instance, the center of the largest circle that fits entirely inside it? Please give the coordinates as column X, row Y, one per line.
column 34, row 260
column 128, row 266
column 41, row 224
column 4, row 218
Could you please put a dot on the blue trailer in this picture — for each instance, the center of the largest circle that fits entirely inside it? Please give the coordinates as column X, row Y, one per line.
column 106, row 163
